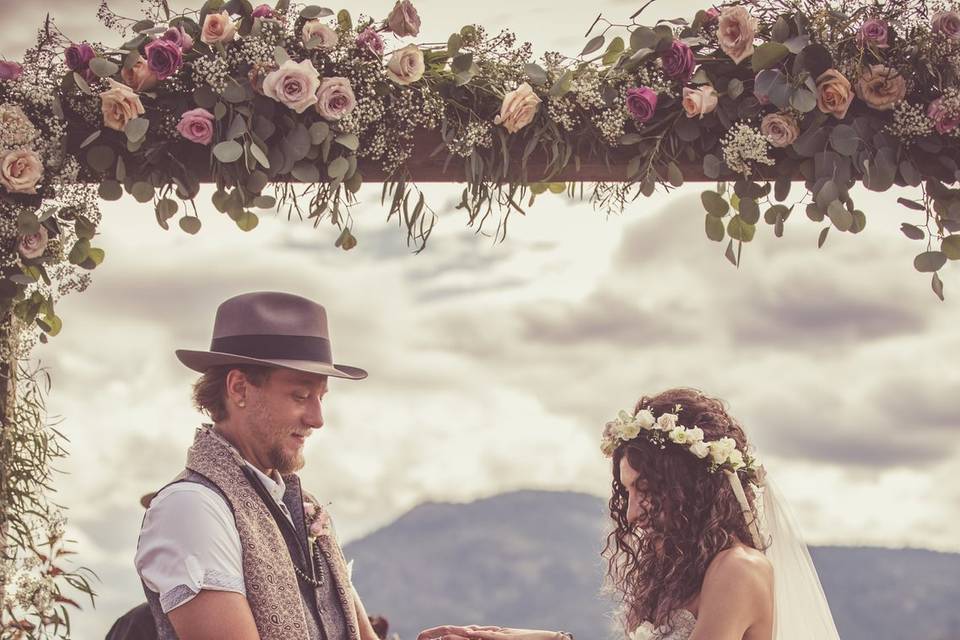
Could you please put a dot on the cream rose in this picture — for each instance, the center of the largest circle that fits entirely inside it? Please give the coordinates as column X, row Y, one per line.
column 780, row 129
column 16, row 129
column 735, row 32
column 406, row 65
column 736, row 459
column 218, row 27
column 881, row 87
column 833, row 93
column 20, row 170
column 700, row 449
column 518, row 109
column 629, row 430
column 294, row 84
column 316, row 29
column 33, row 245
column 721, row 449
column 699, row 102
column 667, row 421
column 645, row 419
column 695, row 434
column 678, row 435
column 120, row 104
column 140, row 77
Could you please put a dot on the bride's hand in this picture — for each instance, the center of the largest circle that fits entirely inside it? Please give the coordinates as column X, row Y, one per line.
column 452, row 632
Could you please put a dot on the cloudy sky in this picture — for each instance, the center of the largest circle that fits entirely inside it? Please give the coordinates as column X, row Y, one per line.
column 493, row 366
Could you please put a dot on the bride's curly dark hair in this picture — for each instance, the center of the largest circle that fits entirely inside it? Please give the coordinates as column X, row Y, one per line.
column 657, row 565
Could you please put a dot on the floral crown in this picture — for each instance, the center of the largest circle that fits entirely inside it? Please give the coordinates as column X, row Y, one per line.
column 723, row 454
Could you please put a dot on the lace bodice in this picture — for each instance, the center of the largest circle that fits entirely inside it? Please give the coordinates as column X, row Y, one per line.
column 683, row 624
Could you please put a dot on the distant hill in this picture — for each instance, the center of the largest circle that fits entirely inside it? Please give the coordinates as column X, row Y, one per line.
column 532, row 559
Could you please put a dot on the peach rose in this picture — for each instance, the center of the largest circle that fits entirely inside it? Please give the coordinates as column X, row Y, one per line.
column 406, row 65
column 120, row 104
column 33, row 245
column 316, row 29
column 881, row 87
column 20, row 170
column 140, row 77
column 833, row 93
column 218, row 27
column 735, row 32
column 699, row 102
column 780, row 129
column 518, row 108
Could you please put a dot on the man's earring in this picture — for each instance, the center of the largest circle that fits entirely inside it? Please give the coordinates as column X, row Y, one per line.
column 242, row 403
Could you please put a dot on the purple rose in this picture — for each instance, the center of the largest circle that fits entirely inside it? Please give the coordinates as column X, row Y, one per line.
column 944, row 119
column 10, row 70
column 164, row 58
column 947, row 23
column 78, row 56
column 179, row 37
column 370, row 40
column 641, row 103
column 263, row 11
column 873, row 31
column 678, row 61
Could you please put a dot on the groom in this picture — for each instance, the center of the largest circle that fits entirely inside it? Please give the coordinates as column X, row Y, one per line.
column 233, row 547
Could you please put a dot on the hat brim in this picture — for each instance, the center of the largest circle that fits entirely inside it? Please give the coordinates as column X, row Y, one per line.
column 200, row 361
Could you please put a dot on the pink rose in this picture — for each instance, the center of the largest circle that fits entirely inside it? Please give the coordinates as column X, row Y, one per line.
column 834, row 94
column 873, row 31
column 518, row 109
column 947, row 23
column 881, row 87
column 10, row 70
column 320, row 525
column 33, row 245
column 371, row 41
column 164, row 57
column 404, row 20
column 315, row 30
column 699, row 102
column 780, row 129
column 218, row 27
column 196, row 125
column 294, row 84
column 641, row 103
column 406, row 65
column 119, row 104
column 945, row 118
column 140, row 77
column 309, row 508
column 735, row 32
column 335, row 98
column 20, row 170
column 713, row 15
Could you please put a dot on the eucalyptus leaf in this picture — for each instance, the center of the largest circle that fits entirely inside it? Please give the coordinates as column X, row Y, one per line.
column 228, row 151
column 247, row 221
column 930, row 261
column 844, row 139
column 714, row 228
column 103, row 68
column 110, row 190
column 536, row 74
column 337, row 169
column 190, row 224
column 348, row 140
column 740, row 229
column 951, row 247
column 312, row 11
column 100, row 158
column 714, row 203
column 306, row 171
column 768, row 55
column 136, row 129
column 142, row 191
column 593, row 45
column 912, row 231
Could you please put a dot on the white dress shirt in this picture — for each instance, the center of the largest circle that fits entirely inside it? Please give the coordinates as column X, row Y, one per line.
column 189, row 541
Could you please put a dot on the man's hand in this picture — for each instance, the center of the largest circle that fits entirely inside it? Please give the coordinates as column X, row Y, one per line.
column 214, row 615
column 451, row 632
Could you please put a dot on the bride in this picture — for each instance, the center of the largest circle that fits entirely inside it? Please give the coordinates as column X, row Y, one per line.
column 702, row 546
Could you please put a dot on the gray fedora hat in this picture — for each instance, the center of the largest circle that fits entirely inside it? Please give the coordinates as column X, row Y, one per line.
column 273, row 329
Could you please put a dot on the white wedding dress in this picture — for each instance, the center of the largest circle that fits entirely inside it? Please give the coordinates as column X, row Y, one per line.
column 683, row 624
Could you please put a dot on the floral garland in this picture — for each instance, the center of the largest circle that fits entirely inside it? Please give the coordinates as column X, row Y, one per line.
column 666, row 430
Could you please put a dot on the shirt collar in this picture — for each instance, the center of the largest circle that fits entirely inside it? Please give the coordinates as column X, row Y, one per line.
column 275, row 485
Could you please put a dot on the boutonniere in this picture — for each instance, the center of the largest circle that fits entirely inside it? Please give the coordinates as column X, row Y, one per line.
column 317, row 520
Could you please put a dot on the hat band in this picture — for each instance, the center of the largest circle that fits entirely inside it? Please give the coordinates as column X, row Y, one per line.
column 275, row 347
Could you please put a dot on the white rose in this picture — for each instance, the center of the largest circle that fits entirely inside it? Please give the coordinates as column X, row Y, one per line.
column 695, row 434
column 667, row 421
column 721, row 449
column 629, row 430
column 700, row 449
column 736, row 459
column 645, row 419
column 678, row 435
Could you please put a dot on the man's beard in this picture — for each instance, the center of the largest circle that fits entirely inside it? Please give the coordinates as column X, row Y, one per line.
column 284, row 463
